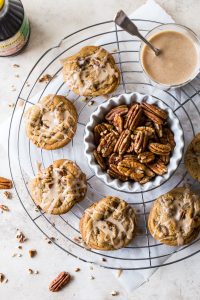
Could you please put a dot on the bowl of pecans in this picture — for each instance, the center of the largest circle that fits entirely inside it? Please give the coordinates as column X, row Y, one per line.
column 133, row 142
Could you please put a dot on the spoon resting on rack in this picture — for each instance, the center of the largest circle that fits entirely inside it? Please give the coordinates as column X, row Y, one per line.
column 123, row 21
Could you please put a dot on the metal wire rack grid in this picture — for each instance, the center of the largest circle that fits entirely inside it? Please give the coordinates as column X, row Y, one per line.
column 145, row 244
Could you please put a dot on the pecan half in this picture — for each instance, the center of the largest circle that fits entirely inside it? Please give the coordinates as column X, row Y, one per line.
column 107, row 144
column 59, row 282
column 149, row 130
column 141, row 140
column 114, row 159
column 158, row 167
column 99, row 159
column 123, row 142
column 133, row 117
column 119, row 110
column 146, row 157
column 159, row 129
column 160, row 149
column 165, row 158
column 170, row 138
column 118, row 123
column 115, row 173
column 131, row 168
column 153, row 117
column 155, row 110
column 5, row 183
column 99, row 131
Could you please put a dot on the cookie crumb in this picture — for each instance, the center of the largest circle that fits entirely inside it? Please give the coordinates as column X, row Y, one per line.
column 30, row 271
column 7, row 195
column 2, row 277
column 77, row 270
column 32, row 253
column 45, row 78
column 36, row 272
column 19, row 255
column 119, row 272
column 20, row 102
column 11, row 105
column 92, row 277
column 90, row 103
column 4, row 207
column 16, row 66
column 17, row 75
column 114, row 293
column 14, row 254
column 104, row 259
column 20, row 237
column 19, row 247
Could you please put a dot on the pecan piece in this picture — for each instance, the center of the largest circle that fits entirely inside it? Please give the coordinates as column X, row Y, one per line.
column 119, row 110
column 165, row 158
column 160, row 149
column 158, row 167
column 132, row 169
column 59, row 282
column 170, row 138
column 133, row 117
column 5, row 183
column 153, row 117
column 115, row 173
column 145, row 179
column 118, row 123
column 155, row 110
column 146, row 157
column 149, row 130
column 159, row 130
column 123, row 142
column 114, row 159
column 131, row 147
column 141, row 140
column 100, row 130
column 99, row 159
column 107, row 144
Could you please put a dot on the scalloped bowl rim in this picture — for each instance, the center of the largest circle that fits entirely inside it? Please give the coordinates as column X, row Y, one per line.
column 97, row 117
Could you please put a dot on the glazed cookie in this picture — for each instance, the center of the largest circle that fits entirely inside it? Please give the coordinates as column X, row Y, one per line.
column 109, row 224
column 60, row 186
column 52, row 122
column 192, row 158
column 175, row 217
column 91, row 72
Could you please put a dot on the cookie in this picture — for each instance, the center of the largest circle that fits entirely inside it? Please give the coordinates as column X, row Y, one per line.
column 175, row 217
column 52, row 122
column 109, row 224
column 91, row 72
column 192, row 158
column 59, row 187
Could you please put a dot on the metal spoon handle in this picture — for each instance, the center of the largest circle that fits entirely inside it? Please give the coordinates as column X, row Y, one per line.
column 123, row 21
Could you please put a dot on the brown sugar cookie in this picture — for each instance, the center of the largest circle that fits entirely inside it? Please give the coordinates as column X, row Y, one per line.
column 175, row 217
column 109, row 224
column 52, row 122
column 91, row 72
column 59, row 187
column 192, row 158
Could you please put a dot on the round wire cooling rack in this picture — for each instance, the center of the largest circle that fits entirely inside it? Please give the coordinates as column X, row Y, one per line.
column 144, row 252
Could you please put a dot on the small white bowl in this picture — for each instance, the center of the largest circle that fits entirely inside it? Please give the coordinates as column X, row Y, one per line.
column 98, row 116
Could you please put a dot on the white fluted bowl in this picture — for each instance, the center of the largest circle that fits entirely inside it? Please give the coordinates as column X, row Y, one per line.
column 98, row 116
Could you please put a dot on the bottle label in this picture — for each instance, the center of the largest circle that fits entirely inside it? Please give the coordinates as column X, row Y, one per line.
column 18, row 41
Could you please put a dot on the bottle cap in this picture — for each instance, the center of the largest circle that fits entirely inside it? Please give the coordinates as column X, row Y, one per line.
column 1, row 4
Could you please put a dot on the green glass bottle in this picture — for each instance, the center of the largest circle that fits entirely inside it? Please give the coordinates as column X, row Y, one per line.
column 14, row 27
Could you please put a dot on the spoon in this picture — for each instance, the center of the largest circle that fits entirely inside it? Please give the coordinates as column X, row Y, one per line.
column 123, row 21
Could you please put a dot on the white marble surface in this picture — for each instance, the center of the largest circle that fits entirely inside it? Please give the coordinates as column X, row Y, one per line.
column 51, row 20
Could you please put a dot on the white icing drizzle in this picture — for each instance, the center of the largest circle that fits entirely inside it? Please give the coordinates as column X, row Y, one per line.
column 116, row 227
column 176, row 213
column 58, row 186
column 97, row 71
